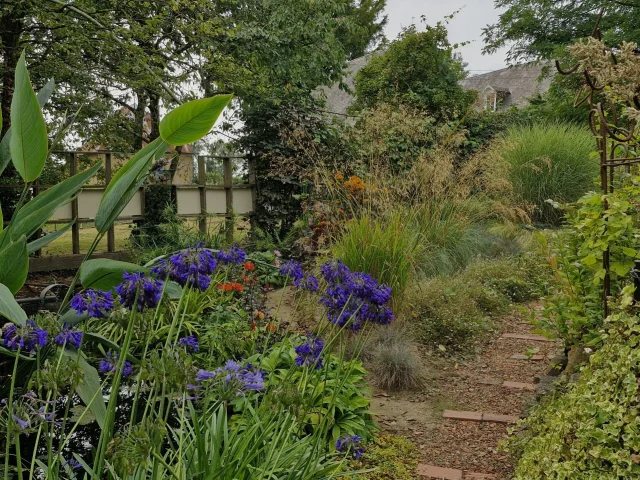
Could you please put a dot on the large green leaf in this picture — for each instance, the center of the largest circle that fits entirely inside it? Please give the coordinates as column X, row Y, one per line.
column 5, row 153
column 125, row 183
column 90, row 390
column 9, row 308
column 35, row 214
column 29, row 143
column 47, row 239
column 14, row 265
column 192, row 120
column 104, row 274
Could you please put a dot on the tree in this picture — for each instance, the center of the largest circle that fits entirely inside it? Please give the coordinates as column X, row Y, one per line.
column 534, row 29
column 419, row 69
column 367, row 25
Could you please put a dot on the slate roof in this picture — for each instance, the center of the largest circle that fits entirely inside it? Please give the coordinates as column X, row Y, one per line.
column 521, row 82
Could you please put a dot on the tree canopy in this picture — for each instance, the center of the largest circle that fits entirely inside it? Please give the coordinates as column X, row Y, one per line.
column 420, row 69
column 534, row 29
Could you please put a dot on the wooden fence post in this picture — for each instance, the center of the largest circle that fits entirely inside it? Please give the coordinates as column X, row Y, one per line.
column 202, row 186
column 75, row 229
column 111, row 233
column 251, row 167
column 228, row 190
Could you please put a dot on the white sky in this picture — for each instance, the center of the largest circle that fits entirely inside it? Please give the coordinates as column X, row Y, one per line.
column 465, row 27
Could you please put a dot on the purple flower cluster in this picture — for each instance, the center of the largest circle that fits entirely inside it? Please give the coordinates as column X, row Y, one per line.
column 234, row 376
column 309, row 353
column 109, row 364
column 95, row 302
column 302, row 281
column 233, row 255
column 192, row 267
column 148, row 290
column 69, row 338
column 26, row 339
column 189, row 343
column 351, row 444
column 354, row 297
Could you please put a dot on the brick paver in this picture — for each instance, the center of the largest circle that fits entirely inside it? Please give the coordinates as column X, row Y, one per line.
column 439, row 473
column 495, row 418
column 520, row 356
column 520, row 386
column 465, row 416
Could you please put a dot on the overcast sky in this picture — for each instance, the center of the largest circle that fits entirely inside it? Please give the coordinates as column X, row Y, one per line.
column 465, row 27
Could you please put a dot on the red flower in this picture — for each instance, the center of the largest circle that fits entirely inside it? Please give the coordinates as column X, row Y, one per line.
column 249, row 266
column 273, row 328
column 237, row 287
column 227, row 287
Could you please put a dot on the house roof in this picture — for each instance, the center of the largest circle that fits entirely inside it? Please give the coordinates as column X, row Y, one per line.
column 521, row 81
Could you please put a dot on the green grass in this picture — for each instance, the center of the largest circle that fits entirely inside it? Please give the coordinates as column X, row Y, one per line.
column 549, row 162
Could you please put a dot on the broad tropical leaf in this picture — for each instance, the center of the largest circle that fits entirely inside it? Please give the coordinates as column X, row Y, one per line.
column 14, row 265
column 9, row 308
column 43, row 97
column 90, row 390
column 29, row 143
column 125, row 183
column 104, row 273
column 192, row 120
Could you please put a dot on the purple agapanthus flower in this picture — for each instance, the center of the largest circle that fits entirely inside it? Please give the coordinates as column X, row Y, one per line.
column 109, row 364
column 23, row 423
column 190, row 343
column 27, row 338
column 191, row 267
column 73, row 464
column 95, row 302
column 354, row 298
column 233, row 255
column 148, row 290
column 69, row 338
column 307, row 282
column 309, row 353
column 293, row 270
column 350, row 444
column 234, row 376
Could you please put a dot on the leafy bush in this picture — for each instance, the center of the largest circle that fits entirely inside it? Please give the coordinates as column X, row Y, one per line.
column 589, row 429
column 392, row 457
column 548, row 162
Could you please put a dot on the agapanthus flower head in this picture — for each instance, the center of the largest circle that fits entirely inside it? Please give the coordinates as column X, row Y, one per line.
column 354, row 298
column 350, row 444
column 190, row 344
column 292, row 269
column 191, row 267
column 69, row 338
column 27, row 338
column 234, row 255
column 24, row 424
column 109, row 364
column 148, row 290
column 307, row 282
column 73, row 464
column 309, row 352
column 234, row 377
column 95, row 302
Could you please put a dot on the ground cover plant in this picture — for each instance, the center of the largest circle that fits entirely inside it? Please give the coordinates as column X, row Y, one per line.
column 170, row 369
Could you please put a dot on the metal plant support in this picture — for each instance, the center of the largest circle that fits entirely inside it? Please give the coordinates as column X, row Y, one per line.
column 615, row 139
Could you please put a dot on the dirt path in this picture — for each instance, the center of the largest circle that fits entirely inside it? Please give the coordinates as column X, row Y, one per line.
column 473, row 386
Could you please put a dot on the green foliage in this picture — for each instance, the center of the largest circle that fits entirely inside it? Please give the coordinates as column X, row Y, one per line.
column 393, row 457
column 548, row 162
column 589, row 429
column 534, row 29
column 375, row 246
column 420, row 69
column 575, row 313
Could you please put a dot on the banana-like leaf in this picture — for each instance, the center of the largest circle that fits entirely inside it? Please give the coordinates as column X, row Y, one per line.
column 35, row 214
column 29, row 143
column 47, row 239
column 125, row 183
column 14, row 265
column 90, row 390
column 192, row 120
column 9, row 308
column 104, row 273
column 5, row 152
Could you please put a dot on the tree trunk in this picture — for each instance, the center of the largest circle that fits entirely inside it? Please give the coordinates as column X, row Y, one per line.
column 139, row 118
column 10, row 32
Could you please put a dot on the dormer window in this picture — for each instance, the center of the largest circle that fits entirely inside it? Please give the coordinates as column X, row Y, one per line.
column 494, row 97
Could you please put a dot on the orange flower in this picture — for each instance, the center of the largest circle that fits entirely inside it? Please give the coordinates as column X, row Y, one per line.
column 259, row 315
column 227, row 287
column 270, row 327
column 237, row 287
column 355, row 185
column 339, row 176
column 249, row 266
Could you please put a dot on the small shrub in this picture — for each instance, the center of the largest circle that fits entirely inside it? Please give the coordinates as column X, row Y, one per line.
column 393, row 457
column 548, row 162
column 395, row 362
